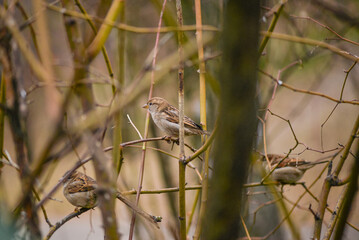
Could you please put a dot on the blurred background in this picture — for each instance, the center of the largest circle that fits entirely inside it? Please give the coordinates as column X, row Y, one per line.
column 320, row 125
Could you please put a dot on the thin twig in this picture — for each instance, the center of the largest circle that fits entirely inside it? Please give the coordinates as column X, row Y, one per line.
column 63, row 221
column 203, row 147
column 245, row 229
column 133, row 125
column 312, row 42
column 282, row 84
column 133, row 219
column 290, row 150
column 326, row 27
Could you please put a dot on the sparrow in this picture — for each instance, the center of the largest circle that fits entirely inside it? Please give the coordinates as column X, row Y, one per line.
column 290, row 170
column 166, row 117
column 81, row 191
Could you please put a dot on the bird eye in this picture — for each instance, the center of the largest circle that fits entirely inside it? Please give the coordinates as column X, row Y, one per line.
column 150, row 104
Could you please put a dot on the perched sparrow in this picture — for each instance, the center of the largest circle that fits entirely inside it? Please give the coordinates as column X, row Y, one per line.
column 166, row 117
column 80, row 190
column 290, row 170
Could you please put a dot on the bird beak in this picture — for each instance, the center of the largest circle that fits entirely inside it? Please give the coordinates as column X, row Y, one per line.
column 145, row 106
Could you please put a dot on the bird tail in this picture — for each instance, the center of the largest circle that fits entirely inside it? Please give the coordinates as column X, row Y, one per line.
column 319, row 162
column 206, row 133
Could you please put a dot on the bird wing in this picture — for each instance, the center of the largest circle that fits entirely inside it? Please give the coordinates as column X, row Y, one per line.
column 191, row 124
column 172, row 115
column 291, row 162
column 82, row 184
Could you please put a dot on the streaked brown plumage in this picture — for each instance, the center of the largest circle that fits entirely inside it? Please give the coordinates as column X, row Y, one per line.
column 166, row 117
column 290, row 170
column 80, row 190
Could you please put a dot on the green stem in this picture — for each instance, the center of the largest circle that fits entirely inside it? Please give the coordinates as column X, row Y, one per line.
column 203, row 208
column 202, row 92
column 182, row 199
column 195, row 202
column 94, row 29
column 271, row 27
column 117, row 138
column 105, row 30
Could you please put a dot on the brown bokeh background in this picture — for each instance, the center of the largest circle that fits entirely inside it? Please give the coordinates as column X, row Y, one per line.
column 314, row 125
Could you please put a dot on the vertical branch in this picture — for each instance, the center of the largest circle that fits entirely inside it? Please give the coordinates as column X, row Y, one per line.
column 147, row 120
column 202, row 64
column 237, row 100
column 181, row 162
column 193, row 210
column 348, row 197
column 335, row 214
column 204, row 198
column 202, row 92
column 323, row 199
column 117, row 153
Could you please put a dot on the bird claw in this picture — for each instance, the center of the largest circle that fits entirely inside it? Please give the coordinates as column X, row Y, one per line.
column 176, row 141
column 167, row 139
column 76, row 210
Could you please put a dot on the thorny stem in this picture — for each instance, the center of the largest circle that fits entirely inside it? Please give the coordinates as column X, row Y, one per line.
column 349, row 197
column 335, row 215
column 327, row 184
